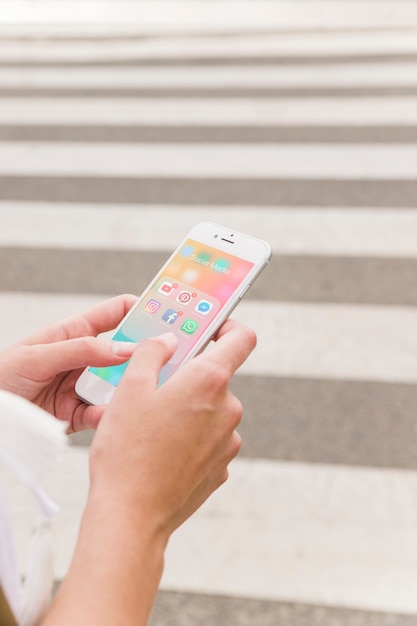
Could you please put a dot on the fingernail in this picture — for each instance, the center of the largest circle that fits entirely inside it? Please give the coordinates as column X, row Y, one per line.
column 123, row 348
column 169, row 339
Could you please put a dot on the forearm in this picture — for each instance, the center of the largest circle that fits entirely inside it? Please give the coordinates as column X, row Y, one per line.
column 115, row 572
column 158, row 454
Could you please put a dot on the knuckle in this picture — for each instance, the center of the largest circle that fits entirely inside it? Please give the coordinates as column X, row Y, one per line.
column 217, row 377
column 247, row 335
column 236, row 444
column 128, row 300
column 250, row 336
column 87, row 344
column 235, row 410
column 222, row 478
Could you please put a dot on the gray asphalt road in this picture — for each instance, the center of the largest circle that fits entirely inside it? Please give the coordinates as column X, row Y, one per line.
column 296, row 416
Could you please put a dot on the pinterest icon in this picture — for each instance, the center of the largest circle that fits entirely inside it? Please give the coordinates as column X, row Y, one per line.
column 184, row 297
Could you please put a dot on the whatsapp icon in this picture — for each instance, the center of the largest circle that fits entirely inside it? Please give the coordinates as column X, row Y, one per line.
column 189, row 326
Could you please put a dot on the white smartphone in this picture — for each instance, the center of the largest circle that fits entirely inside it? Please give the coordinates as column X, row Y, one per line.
column 192, row 295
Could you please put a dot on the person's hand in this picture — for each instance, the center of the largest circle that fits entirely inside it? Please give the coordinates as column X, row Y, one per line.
column 157, row 454
column 44, row 367
column 160, row 452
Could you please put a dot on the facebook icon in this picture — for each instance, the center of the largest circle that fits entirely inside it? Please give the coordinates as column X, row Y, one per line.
column 170, row 316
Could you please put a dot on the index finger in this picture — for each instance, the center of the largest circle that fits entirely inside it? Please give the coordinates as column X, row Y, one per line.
column 233, row 344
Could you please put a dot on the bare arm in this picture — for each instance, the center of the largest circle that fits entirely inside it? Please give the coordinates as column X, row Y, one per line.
column 157, row 455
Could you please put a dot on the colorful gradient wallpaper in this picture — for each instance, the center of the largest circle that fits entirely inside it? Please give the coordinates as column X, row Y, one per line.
column 192, row 289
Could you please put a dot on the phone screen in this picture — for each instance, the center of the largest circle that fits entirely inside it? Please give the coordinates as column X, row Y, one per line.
column 195, row 285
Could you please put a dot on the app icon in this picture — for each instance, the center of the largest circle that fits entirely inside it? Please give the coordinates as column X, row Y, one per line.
column 189, row 326
column 187, row 251
column 166, row 288
column 152, row 306
column 204, row 307
column 170, row 316
column 184, row 297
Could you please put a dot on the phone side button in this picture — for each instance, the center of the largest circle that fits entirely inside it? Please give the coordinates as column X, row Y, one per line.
column 244, row 291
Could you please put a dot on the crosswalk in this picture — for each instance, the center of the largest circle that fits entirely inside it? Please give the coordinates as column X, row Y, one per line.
column 122, row 125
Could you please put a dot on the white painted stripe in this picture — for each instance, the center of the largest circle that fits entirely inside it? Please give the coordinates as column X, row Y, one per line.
column 330, row 341
column 310, row 534
column 23, row 313
column 205, row 111
column 294, row 44
column 342, row 232
column 208, row 160
column 205, row 16
column 312, row 341
column 279, row 531
column 86, row 32
column 310, row 76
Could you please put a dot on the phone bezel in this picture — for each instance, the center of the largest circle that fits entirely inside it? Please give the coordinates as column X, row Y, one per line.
column 94, row 390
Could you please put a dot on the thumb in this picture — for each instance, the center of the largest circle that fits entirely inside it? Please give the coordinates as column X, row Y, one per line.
column 148, row 358
column 49, row 359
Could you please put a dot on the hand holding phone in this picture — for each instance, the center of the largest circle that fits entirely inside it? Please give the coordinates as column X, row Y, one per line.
column 192, row 295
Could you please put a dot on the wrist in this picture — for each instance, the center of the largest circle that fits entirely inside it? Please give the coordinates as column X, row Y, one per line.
column 129, row 513
column 136, row 500
column 120, row 557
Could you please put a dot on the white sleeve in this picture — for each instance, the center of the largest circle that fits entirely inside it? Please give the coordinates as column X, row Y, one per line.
column 31, row 441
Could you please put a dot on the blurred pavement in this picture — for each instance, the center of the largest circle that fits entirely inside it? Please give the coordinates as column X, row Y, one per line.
column 121, row 125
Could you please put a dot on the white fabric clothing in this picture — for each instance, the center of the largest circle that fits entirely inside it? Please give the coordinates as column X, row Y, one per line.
column 30, row 444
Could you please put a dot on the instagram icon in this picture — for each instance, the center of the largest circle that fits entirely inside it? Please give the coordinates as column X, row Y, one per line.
column 152, row 306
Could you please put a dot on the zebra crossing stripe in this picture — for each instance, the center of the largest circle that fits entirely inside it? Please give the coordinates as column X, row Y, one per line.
column 308, row 231
column 212, row 161
column 296, row 122
column 397, row 111
column 297, row 539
